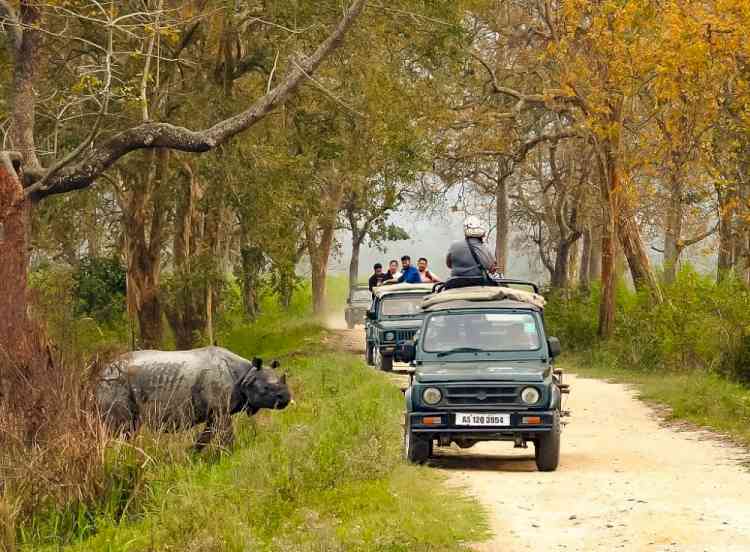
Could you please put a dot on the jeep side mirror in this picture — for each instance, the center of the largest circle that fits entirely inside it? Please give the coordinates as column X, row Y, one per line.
column 553, row 344
column 407, row 352
column 370, row 315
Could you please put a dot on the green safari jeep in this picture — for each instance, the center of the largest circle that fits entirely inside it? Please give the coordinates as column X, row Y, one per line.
column 357, row 305
column 483, row 371
column 393, row 319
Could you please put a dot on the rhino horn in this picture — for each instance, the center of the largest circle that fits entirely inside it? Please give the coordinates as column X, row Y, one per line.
column 283, row 379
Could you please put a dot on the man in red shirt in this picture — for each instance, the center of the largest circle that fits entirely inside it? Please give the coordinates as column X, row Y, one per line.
column 424, row 273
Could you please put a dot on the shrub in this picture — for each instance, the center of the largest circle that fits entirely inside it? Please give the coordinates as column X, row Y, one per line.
column 700, row 325
column 100, row 288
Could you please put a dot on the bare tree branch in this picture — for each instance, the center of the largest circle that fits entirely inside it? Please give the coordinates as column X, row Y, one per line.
column 699, row 238
column 164, row 135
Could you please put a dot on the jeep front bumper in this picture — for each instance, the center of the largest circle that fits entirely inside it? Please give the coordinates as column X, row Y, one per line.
column 444, row 422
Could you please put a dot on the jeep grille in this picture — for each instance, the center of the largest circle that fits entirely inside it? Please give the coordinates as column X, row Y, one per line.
column 482, row 395
column 405, row 335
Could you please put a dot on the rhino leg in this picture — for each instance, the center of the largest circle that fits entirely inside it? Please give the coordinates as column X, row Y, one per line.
column 219, row 426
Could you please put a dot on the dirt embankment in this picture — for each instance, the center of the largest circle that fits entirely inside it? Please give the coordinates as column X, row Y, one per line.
column 626, row 481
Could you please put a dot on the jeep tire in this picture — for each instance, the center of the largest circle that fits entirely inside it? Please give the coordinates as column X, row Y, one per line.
column 547, row 447
column 384, row 362
column 369, row 354
column 417, row 448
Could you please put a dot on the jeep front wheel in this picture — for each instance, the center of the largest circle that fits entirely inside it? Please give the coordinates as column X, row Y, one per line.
column 547, row 447
column 383, row 362
column 369, row 355
column 417, row 448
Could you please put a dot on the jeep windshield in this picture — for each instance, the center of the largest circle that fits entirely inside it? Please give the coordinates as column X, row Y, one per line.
column 401, row 305
column 474, row 332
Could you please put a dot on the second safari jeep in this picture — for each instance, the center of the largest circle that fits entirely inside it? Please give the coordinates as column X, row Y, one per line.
column 394, row 318
column 483, row 372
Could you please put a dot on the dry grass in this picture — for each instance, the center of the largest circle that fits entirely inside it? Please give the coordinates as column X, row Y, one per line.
column 52, row 441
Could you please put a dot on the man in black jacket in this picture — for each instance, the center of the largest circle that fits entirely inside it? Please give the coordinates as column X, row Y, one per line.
column 378, row 276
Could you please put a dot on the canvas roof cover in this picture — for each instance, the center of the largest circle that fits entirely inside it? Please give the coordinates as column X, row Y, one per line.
column 401, row 288
column 483, row 293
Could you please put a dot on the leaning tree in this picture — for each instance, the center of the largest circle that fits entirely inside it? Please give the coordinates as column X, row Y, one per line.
column 25, row 181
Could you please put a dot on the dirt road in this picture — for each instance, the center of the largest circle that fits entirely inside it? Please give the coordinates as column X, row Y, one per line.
column 625, row 482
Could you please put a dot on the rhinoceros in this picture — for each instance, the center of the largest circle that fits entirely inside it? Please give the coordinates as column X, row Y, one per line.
column 174, row 390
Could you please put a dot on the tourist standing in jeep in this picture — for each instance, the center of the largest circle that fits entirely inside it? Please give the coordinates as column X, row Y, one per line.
column 470, row 260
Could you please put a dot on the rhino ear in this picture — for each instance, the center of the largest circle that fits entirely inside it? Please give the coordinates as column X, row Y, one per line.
column 257, row 363
column 275, row 364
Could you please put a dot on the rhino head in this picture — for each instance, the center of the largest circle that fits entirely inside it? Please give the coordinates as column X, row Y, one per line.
column 263, row 388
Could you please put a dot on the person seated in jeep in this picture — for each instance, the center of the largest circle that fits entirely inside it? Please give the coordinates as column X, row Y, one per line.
column 378, row 276
column 470, row 260
column 409, row 273
column 425, row 273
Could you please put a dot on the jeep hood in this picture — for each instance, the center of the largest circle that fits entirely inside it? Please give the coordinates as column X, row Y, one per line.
column 402, row 324
column 497, row 370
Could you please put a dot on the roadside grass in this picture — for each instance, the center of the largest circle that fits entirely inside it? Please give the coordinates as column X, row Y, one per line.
column 324, row 474
column 700, row 397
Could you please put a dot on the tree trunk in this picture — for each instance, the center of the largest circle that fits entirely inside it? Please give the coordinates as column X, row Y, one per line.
column 584, row 271
column 319, row 270
column 610, row 193
column 184, row 309
column 319, row 253
column 562, row 258
column 144, row 252
column 573, row 261
column 252, row 266
column 726, row 259
column 15, row 224
column 608, row 254
column 502, row 228
column 354, row 262
column 673, row 231
column 595, row 260
column 635, row 253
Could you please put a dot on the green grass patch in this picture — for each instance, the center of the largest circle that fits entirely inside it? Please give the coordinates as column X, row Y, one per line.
column 698, row 396
column 324, row 474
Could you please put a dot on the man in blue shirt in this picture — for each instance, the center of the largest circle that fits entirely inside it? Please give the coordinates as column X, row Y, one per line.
column 409, row 273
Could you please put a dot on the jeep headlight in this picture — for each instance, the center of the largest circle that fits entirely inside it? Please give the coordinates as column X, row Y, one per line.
column 389, row 336
column 530, row 395
column 432, row 395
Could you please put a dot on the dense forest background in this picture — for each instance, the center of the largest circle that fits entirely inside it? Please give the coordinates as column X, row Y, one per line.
column 171, row 167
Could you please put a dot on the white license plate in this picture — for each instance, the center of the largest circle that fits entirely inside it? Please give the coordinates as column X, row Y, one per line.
column 482, row 419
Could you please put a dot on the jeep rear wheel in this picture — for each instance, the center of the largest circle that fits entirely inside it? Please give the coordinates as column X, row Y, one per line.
column 369, row 355
column 547, row 447
column 417, row 448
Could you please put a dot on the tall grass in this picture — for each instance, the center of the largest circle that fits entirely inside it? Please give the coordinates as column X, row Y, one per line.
column 52, row 443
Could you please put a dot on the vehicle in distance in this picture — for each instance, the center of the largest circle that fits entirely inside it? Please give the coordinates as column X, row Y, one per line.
column 357, row 304
column 483, row 371
column 393, row 319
